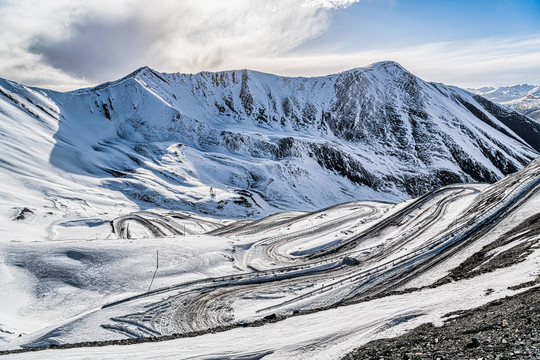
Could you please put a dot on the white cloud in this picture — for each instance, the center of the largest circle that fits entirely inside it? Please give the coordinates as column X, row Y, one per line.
column 66, row 44
column 99, row 40
column 329, row 4
column 474, row 63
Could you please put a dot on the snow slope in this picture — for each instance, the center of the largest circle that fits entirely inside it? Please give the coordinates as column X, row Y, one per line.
column 327, row 334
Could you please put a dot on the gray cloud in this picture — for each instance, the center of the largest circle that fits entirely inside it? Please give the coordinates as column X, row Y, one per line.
column 96, row 50
column 98, row 40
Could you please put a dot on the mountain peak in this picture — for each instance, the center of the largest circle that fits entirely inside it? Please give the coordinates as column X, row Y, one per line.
column 387, row 64
column 137, row 74
column 141, row 70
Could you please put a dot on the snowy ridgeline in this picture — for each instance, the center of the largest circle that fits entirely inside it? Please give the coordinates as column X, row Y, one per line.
column 522, row 98
column 243, row 143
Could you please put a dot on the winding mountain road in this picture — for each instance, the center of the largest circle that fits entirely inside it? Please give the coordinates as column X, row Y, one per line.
column 309, row 261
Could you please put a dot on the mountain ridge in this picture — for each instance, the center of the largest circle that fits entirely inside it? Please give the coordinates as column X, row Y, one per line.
column 523, row 98
column 267, row 142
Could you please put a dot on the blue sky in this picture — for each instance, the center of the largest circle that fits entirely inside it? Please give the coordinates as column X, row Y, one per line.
column 392, row 24
column 64, row 44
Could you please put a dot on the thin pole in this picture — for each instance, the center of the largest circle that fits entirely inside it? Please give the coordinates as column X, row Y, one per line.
column 155, row 272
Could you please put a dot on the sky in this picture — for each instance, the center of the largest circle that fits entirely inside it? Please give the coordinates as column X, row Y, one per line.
column 65, row 44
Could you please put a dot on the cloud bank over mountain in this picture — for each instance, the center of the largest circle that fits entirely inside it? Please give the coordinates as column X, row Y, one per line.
column 66, row 45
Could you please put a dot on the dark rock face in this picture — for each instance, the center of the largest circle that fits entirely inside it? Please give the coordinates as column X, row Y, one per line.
column 23, row 213
column 334, row 160
column 524, row 127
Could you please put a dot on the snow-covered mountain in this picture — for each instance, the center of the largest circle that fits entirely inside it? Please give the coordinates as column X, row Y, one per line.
column 240, row 143
column 522, row 98
column 109, row 170
column 504, row 93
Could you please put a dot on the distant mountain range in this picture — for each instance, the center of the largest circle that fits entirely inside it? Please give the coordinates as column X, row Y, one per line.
column 242, row 143
column 522, row 98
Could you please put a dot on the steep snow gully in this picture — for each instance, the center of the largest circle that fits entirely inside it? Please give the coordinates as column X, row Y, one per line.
column 201, row 209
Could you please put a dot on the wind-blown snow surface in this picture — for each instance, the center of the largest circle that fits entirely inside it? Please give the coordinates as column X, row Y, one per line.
column 262, row 142
column 522, row 98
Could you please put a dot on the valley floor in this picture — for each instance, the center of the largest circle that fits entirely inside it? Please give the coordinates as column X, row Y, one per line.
column 293, row 285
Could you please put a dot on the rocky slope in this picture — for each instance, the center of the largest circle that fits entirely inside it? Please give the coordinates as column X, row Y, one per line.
column 241, row 143
column 507, row 328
